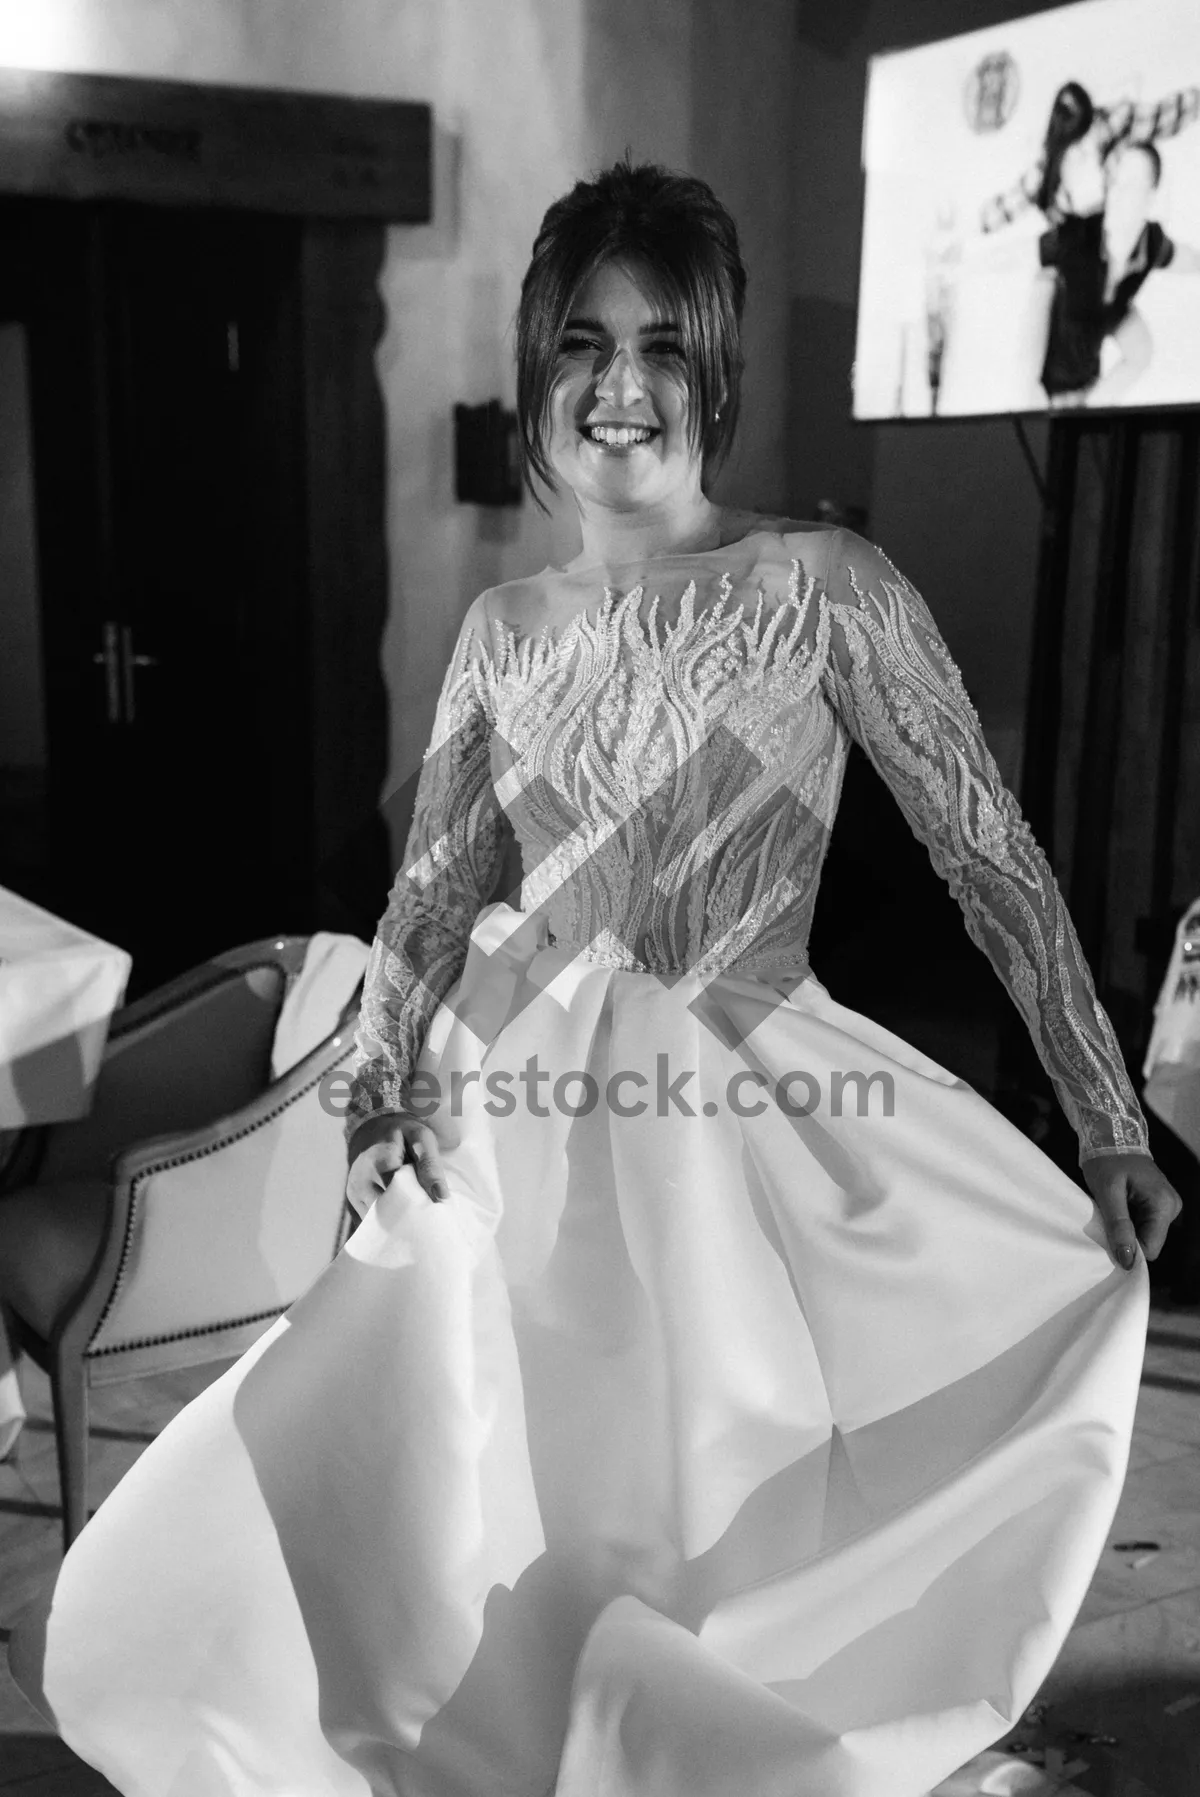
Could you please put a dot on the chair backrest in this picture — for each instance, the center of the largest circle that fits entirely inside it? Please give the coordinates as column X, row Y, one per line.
column 238, row 1224
column 205, row 1051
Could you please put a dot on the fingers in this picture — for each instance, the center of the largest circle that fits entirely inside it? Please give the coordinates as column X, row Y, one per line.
column 1108, row 1191
column 1154, row 1205
column 374, row 1162
column 1123, row 1241
column 1138, row 1207
column 427, row 1162
column 387, row 1158
column 407, row 1140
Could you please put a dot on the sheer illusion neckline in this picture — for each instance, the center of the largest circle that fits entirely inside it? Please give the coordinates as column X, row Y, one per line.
column 660, row 558
column 615, row 612
column 616, row 600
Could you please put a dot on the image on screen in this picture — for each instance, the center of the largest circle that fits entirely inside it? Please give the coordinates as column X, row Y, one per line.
column 1031, row 232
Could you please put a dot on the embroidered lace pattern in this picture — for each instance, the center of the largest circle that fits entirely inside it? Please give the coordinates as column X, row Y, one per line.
column 455, row 850
column 898, row 691
column 671, row 768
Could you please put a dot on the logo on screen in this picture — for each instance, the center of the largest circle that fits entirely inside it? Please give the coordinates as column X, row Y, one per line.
column 991, row 93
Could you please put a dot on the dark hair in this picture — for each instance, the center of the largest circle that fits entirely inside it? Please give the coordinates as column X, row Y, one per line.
column 672, row 226
column 1071, row 118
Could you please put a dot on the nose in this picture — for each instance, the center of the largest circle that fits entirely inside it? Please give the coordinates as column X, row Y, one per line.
column 621, row 382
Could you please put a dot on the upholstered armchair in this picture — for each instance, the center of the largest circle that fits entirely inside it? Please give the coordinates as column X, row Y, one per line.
column 202, row 1194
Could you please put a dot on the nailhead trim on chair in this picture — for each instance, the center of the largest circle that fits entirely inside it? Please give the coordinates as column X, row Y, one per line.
column 179, row 1335
column 182, row 1160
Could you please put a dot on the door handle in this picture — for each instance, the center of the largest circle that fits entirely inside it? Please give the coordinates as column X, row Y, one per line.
column 130, row 663
column 109, row 657
column 120, row 663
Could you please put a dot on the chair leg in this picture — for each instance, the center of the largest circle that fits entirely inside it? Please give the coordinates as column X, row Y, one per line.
column 68, row 1385
column 27, row 1652
column 12, row 1410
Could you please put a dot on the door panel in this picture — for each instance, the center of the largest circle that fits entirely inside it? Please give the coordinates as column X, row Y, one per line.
column 23, row 746
column 166, row 394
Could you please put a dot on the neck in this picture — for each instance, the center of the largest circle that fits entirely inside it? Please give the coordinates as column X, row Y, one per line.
column 631, row 536
column 1121, row 238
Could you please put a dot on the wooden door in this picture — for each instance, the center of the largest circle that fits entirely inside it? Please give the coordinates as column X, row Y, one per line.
column 162, row 356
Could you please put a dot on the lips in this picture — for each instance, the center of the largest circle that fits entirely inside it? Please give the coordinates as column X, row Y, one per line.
column 629, row 434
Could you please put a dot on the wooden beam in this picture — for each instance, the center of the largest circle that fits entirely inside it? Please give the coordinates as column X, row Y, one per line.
column 106, row 137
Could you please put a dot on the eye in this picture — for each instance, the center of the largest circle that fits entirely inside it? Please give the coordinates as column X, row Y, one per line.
column 666, row 347
column 578, row 346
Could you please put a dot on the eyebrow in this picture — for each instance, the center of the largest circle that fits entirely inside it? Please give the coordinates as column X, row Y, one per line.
column 656, row 326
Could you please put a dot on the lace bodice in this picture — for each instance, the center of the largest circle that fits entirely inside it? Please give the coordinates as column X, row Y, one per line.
column 669, row 753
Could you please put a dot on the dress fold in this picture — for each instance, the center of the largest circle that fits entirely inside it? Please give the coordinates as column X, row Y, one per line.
column 673, row 1452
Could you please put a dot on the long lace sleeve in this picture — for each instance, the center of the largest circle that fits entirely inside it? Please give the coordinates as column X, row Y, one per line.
column 1004, row 207
column 455, row 850
column 900, row 694
column 1142, row 121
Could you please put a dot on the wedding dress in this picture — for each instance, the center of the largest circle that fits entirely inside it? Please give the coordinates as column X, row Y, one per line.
column 749, row 1419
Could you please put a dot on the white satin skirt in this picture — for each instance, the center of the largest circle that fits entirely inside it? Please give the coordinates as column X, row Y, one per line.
column 751, row 1443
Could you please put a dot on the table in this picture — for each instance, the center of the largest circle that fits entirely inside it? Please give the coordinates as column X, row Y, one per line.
column 59, row 987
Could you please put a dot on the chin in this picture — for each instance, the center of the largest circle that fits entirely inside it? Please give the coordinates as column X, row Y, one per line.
column 648, row 474
column 627, row 494
column 608, row 484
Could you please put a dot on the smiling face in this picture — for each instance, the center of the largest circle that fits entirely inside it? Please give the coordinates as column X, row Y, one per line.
column 618, row 433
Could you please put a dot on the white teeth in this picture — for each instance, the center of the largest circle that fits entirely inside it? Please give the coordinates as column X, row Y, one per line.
column 618, row 436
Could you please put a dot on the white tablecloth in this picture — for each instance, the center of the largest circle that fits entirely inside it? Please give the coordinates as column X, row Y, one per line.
column 1172, row 1066
column 59, row 987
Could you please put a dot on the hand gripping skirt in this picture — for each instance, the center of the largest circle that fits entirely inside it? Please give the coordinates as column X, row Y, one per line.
column 711, row 1440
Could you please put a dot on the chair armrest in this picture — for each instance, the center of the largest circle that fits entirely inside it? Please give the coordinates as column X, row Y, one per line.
column 228, row 1222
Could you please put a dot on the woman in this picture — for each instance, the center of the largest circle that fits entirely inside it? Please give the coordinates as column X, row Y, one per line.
column 747, row 1411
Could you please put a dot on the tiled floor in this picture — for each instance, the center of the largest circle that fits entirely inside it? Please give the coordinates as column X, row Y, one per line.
column 1118, row 1717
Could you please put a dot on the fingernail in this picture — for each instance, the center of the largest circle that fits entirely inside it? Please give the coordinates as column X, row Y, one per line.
column 1126, row 1255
